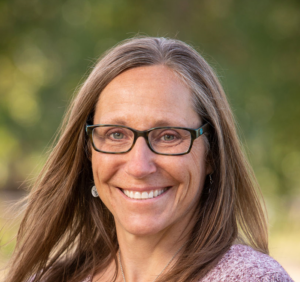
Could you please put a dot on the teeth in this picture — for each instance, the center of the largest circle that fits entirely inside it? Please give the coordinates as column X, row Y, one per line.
column 144, row 195
column 150, row 195
column 137, row 195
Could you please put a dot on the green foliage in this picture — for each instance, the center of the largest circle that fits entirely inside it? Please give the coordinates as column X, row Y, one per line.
column 47, row 46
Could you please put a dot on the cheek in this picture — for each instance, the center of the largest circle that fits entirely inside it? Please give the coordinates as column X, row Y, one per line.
column 189, row 172
column 103, row 170
column 103, row 167
column 198, row 166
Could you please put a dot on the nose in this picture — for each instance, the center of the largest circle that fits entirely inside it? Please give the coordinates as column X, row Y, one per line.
column 140, row 162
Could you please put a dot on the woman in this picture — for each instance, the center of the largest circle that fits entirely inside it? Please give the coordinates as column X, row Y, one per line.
column 147, row 181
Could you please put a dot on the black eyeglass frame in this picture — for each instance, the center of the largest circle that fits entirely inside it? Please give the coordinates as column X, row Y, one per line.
column 195, row 133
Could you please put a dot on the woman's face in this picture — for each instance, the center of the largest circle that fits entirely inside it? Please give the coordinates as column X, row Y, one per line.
column 142, row 98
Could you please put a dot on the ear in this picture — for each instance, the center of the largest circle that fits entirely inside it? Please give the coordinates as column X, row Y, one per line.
column 88, row 149
column 209, row 169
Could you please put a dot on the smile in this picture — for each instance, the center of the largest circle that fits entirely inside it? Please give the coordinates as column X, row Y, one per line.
column 144, row 195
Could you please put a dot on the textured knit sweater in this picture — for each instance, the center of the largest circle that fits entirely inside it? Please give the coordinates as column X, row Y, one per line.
column 243, row 264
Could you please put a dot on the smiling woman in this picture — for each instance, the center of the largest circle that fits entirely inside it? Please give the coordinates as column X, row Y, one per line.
column 144, row 98
column 147, row 182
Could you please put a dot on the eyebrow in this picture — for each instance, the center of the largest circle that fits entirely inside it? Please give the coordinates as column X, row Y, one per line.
column 160, row 123
column 157, row 123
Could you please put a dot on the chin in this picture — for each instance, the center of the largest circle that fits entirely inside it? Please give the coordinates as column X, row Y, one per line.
column 142, row 227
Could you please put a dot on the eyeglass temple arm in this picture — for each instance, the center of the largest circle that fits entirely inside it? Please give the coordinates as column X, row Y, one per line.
column 203, row 129
column 86, row 127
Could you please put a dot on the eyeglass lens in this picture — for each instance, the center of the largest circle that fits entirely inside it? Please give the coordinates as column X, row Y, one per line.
column 162, row 140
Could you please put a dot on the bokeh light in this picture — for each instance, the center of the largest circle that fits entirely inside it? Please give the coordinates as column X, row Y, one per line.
column 48, row 47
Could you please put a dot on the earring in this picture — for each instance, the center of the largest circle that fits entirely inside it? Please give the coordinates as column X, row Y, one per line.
column 94, row 192
column 210, row 182
column 210, row 179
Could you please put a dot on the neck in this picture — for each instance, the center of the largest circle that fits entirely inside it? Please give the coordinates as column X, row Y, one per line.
column 166, row 266
column 143, row 258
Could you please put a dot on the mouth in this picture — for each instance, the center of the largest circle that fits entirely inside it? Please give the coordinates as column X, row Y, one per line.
column 144, row 195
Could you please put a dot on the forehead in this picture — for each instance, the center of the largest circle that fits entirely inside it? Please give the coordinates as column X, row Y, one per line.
column 145, row 96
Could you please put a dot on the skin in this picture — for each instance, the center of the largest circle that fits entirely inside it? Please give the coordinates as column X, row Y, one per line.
column 149, row 231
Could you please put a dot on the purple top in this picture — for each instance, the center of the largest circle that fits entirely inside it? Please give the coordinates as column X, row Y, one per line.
column 243, row 264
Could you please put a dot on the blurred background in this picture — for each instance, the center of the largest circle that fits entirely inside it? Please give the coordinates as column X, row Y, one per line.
column 48, row 47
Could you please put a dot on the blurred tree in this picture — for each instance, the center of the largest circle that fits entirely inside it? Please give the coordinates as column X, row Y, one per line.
column 47, row 46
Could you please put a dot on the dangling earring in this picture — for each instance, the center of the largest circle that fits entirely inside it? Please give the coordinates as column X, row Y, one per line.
column 210, row 183
column 94, row 192
column 210, row 180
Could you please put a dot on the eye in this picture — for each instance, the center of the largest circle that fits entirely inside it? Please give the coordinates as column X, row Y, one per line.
column 168, row 137
column 117, row 135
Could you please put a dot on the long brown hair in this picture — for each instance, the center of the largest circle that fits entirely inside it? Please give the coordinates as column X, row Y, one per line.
column 66, row 234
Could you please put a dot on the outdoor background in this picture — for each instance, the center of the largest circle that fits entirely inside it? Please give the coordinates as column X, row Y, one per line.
column 48, row 47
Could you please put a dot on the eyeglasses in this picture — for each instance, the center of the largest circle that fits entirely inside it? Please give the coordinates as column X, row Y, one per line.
column 118, row 139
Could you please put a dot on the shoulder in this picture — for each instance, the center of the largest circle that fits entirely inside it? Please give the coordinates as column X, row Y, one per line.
column 242, row 263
